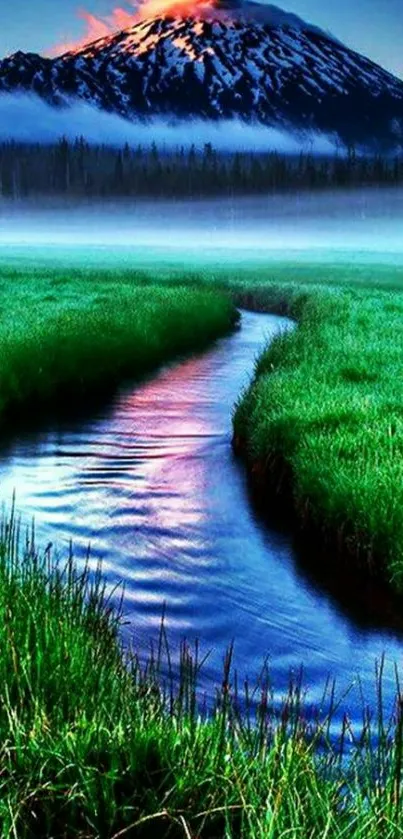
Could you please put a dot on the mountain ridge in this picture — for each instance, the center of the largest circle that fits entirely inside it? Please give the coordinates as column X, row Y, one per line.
column 240, row 60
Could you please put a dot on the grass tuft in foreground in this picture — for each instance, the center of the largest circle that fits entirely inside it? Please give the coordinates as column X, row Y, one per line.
column 326, row 411
column 92, row 744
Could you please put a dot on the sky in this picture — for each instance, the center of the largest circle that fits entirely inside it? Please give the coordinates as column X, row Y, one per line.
column 372, row 27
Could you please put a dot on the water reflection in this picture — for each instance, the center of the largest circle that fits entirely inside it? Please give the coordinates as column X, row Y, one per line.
column 152, row 483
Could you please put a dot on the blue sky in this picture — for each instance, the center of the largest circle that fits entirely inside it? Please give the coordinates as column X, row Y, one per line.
column 373, row 27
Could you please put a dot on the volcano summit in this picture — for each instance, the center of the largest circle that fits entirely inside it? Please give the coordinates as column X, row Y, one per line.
column 246, row 60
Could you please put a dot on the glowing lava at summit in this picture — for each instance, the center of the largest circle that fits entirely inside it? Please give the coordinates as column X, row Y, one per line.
column 174, row 8
column 120, row 18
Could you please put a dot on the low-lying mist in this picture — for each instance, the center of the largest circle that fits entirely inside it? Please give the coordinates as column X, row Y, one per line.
column 350, row 224
column 27, row 118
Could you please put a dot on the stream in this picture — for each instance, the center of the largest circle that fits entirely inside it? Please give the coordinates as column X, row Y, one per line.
column 152, row 483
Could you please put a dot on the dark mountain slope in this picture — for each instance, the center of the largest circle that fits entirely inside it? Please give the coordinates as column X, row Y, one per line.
column 251, row 61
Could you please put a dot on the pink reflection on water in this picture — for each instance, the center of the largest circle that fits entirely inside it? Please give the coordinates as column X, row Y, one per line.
column 168, row 435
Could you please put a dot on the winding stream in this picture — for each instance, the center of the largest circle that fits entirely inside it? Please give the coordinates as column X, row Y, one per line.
column 152, row 483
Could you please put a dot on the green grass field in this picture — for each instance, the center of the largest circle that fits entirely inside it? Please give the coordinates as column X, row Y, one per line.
column 325, row 415
column 65, row 334
column 90, row 745
column 327, row 400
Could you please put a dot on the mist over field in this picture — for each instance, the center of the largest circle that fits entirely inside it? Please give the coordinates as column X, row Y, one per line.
column 346, row 221
column 26, row 118
column 352, row 223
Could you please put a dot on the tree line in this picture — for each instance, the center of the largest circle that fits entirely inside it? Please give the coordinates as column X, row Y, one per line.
column 80, row 169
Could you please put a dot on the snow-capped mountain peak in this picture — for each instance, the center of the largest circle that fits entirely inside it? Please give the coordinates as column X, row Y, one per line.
column 232, row 59
column 245, row 12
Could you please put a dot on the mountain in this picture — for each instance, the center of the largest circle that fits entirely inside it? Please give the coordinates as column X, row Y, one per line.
column 245, row 60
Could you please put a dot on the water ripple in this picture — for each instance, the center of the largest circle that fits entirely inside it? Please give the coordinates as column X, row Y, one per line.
column 152, row 484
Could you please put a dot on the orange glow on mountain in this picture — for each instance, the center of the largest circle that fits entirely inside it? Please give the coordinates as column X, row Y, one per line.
column 174, row 8
column 120, row 18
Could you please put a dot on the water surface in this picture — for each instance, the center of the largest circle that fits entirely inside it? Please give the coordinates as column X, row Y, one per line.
column 152, row 483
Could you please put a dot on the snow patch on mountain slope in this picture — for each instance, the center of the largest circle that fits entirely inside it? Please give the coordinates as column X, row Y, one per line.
column 269, row 14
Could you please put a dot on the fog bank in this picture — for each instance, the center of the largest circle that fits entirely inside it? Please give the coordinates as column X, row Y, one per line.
column 349, row 223
column 27, row 118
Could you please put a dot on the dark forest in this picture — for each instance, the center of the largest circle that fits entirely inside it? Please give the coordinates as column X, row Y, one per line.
column 79, row 169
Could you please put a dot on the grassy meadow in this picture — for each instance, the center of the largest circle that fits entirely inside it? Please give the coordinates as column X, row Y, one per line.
column 66, row 333
column 95, row 745
column 323, row 421
column 323, row 416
